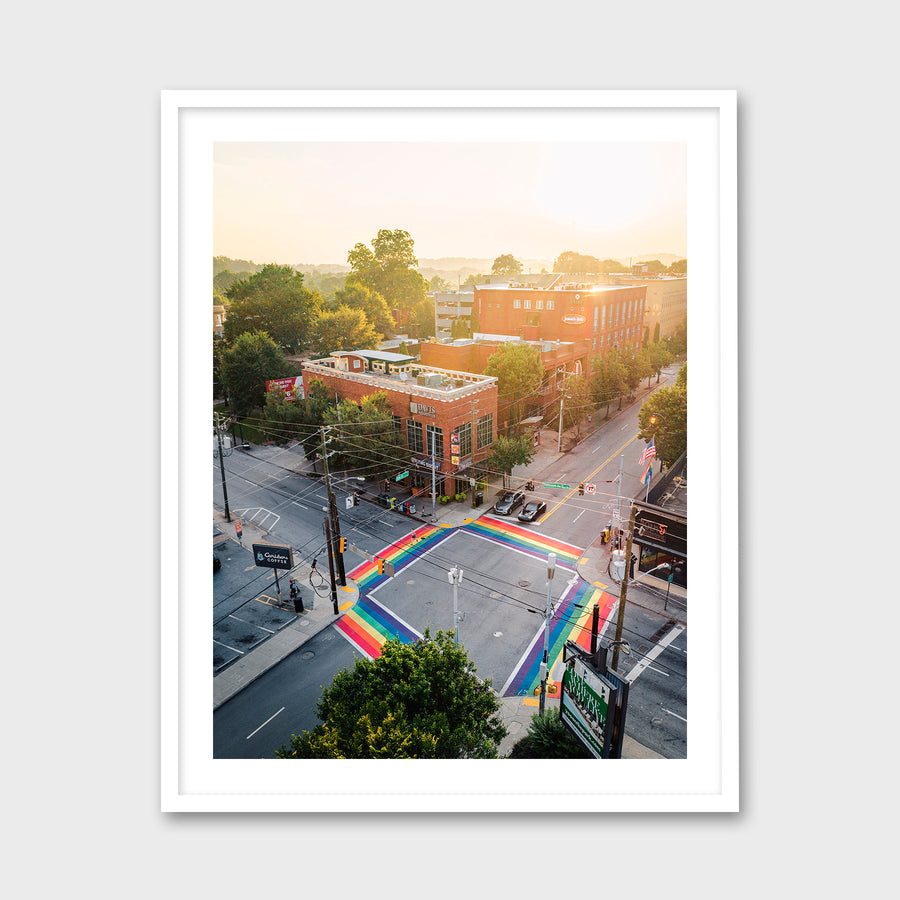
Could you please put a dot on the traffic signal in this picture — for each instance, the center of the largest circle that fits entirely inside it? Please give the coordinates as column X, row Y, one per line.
column 581, row 489
column 529, row 485
column 356, row 498
column 341, row 545
column 380, row 562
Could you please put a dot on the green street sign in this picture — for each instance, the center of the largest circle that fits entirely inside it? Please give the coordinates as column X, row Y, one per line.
column 402, row 476
column 551, row 484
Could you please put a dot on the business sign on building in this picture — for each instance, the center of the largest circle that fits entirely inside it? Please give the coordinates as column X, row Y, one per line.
column 273, row 556
column 574, row 320
column 291, row 388
column 587, row 703
column 416, row 408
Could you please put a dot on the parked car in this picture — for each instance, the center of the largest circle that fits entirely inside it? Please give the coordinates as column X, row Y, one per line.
column 532, row 510
column 217, row 563
column 508, row 501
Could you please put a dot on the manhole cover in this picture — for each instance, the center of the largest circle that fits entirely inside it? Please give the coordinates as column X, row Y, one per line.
column 411, row 581
column 523, row 583
column 307, row 654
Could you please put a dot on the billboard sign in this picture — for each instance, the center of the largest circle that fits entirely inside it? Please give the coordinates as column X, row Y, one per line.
column 273, row 556
column 588, row 700
column 291, row 388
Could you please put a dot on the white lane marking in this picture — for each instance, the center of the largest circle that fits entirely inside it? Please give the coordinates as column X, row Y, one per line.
column 645, row 662
column 264, row 724
column 669, row 711
column 577, row 517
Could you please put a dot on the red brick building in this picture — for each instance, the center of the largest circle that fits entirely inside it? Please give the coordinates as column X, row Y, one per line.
column 453, row 411
column 604, row 315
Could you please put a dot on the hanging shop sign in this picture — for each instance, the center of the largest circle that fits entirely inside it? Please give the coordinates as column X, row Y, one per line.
column 273, row 556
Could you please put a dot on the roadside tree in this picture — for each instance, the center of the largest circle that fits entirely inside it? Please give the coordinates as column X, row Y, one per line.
column 506, row 453
column 414, row 701
column 663, row 417
column 356, row 295
column 518, row 369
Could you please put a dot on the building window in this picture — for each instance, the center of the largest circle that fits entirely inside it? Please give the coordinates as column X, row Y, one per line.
column 464, row 433
column 438, row 440
column 538, row 304
column 549, row 304
column 414, row 436
column 527, row 304
column 486, row 430
column 517, row 303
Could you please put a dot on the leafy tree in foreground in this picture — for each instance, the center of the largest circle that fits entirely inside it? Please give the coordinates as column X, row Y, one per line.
column 549, row 738
column 415, row 701
column 252, row 360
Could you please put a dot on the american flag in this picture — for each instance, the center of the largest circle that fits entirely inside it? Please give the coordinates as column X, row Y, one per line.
column 649, row 451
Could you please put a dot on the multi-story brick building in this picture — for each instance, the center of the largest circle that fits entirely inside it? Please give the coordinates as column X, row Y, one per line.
column 605, row 315
column 450, row 416
column 666, row 302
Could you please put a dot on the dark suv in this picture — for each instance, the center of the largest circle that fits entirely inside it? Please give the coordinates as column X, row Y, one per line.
column 508, row 501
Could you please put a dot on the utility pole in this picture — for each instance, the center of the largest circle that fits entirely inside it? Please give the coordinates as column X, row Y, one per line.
column 559, row 442
column 619, row 488
column 455, row 576
column 432, row 475
column 620, row 620
column 222, row 469
column 331, row 565
column 548, row 612
column 332, row 507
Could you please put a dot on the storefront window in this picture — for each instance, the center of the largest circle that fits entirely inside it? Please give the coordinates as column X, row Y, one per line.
column 486, row 430
column 651, row 558
column 464, row 433
column 414, row 436
column 434, row 446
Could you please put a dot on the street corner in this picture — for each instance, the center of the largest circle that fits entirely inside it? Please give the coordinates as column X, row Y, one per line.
column 347, row 595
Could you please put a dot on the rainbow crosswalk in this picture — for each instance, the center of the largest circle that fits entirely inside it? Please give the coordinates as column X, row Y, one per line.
column 368, row 624
column 571, row 622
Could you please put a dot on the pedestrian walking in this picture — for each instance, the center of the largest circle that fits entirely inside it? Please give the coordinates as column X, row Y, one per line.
column 239, row 531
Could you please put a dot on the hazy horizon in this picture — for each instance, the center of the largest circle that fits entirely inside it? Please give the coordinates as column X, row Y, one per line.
column 310, row 203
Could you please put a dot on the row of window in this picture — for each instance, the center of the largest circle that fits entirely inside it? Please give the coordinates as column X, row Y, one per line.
column 420, row 440
column 538, row 304
column 625, row 336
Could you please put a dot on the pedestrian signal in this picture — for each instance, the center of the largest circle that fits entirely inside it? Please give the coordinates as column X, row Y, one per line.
column 342, row 542
column 581, row 489
column 380, row 562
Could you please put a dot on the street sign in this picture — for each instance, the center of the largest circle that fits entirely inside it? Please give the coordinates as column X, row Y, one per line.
column 388, row 567
column 402, row 475
column 273, row 556
column 348, row 502
column 553, row 484
column 589, row 487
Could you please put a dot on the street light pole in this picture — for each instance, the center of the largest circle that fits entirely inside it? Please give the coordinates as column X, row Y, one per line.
column 620, row 619
column 455, row 576
column 222, row 469
column 548, row 612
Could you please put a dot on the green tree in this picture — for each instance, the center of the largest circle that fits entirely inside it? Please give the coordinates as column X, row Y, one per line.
column 663, row 417
column 659, row 357
column 518, row 369
column 549, row 738
column 572, row 263
column 608, row 379
column 679, row 267
column 252, row 360
column 388, row 269
column 273, row 300
column 342, row 329
column 357, row 295
column 506, row 266
column 613, row 266
column 506, row 453
column 414, row 701
column 364, row 438
column 578, row 403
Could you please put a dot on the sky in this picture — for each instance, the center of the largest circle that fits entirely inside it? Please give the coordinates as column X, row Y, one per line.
column 312, row 202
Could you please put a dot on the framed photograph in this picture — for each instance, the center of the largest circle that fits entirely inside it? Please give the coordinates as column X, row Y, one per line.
column 499, row 197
